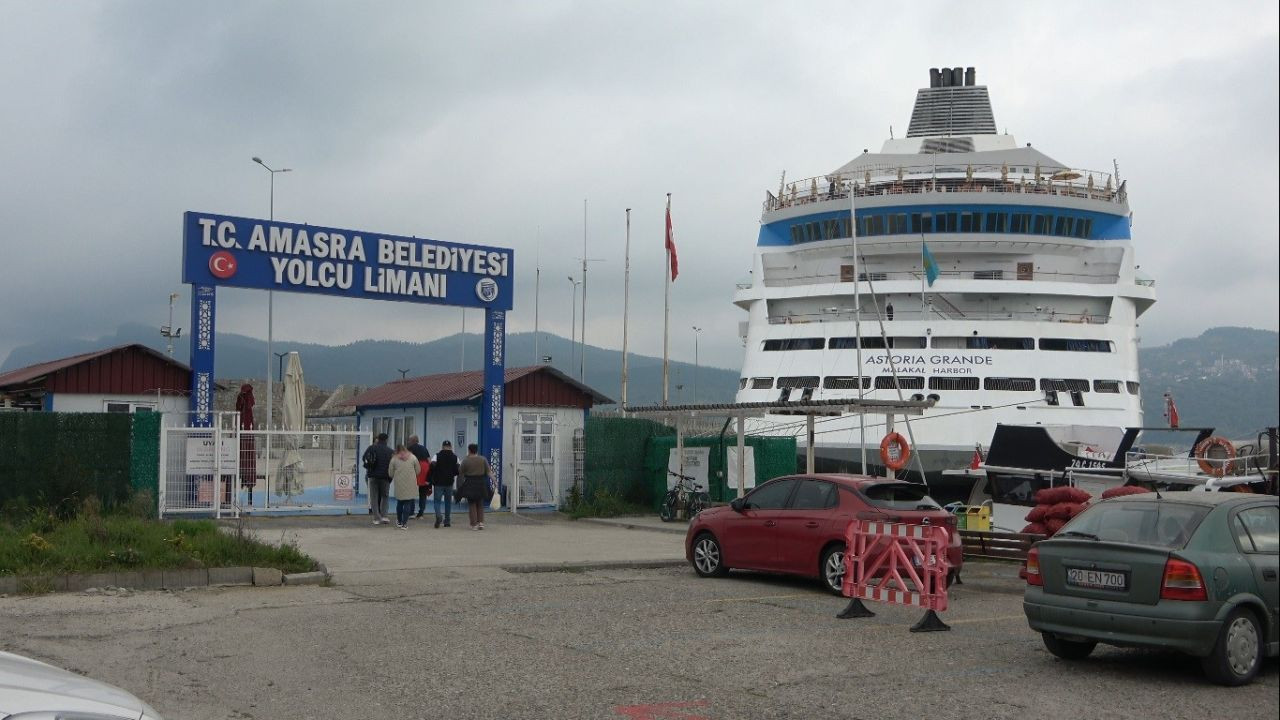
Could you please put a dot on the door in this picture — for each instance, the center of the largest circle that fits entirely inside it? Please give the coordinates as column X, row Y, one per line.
column 750, row 537
column 805, row 526
column 1258, row 531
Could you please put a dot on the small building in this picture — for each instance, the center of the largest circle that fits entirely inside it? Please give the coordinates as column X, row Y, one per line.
column 127, row 378
column 545, row 412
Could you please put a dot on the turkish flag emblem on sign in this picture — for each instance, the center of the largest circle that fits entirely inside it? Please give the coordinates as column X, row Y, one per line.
column 222, row 264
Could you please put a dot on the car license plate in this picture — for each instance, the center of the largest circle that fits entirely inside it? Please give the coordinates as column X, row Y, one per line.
column 1097, row 579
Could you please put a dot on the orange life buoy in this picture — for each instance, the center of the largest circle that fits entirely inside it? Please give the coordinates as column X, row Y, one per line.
column 1215, row 466
column 894, row 451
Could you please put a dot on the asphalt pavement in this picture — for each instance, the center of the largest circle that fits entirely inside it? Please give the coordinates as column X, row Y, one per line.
column 467, row 633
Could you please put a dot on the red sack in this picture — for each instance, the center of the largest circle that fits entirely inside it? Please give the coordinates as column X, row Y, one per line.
column 1048, row 496
column 1060, row 511
column 1053, row 525
column 1074, row 495
column 1122, row 491
column 1036, row 514
column 1035, row 528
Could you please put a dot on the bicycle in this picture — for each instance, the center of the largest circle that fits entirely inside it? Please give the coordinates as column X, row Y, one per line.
column 684, row 500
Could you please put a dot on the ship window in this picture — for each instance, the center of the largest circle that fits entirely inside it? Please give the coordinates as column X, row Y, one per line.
column 786, row 344
column 1106, row 386
column 997, row 222
column 1013, row 384
column 1084, row 228
column 797, row 234
column 953, row 383
column 1040, row 224
column 946, row 222
column 983, row 342
column 798, row 381
column 873, row 277
column 1076, row 345
column 905, row 382
column 762, row 383
column 897, row 223
column 908, row 341
column 1133, row 387
column 969, row 222
column 1063, row 226
column 921, row 223
column 876, row 343
column 1020, row 223
column 873, row 225
column 844, row 382
column 742, row 383
column 988, row 274
column 1064, row 384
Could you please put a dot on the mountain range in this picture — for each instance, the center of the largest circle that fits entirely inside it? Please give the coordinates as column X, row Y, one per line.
column 1227, row 377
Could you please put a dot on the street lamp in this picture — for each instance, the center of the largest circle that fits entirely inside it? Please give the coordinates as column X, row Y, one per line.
column 573, row 329
column 697, row 333
column 271, row 214
column 280, row 365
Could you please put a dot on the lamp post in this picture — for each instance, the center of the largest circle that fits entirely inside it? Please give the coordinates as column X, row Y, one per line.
column 697, row 333
column 280, row 365
column 573, row 328
column 271, row 215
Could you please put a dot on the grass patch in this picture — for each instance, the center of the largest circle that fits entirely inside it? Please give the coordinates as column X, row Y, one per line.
column 603, row 504
column 37, row 542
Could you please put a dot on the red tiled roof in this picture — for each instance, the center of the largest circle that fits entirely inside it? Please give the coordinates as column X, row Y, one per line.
column 32, row 372
column 456, row 387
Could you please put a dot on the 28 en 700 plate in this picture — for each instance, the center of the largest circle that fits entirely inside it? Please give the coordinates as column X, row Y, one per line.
column 1097, row 579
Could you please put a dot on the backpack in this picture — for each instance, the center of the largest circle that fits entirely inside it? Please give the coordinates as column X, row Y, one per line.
column 370, row 459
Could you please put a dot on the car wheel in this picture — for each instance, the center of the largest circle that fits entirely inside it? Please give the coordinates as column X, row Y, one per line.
column 708, row 559
column 831, row 569
column 1068, row 649
column 1238, row 653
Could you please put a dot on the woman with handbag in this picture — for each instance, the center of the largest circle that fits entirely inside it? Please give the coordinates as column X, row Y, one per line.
column 475, row 485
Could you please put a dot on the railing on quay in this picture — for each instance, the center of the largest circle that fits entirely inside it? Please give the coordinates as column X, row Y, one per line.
column 920, row 179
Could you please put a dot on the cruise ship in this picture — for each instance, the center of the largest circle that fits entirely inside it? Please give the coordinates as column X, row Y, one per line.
column 1029, row 315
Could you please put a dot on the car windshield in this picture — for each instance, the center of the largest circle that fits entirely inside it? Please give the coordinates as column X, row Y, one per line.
column 1162, row 524
column 899, row 496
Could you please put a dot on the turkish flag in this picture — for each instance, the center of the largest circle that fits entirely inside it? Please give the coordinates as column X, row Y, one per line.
column 671, row 247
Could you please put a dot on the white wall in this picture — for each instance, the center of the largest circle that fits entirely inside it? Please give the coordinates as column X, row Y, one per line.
column 439, row 427
column 96, row 402
column 567, row 420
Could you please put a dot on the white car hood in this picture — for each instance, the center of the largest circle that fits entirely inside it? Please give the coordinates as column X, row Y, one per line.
column 28, row 685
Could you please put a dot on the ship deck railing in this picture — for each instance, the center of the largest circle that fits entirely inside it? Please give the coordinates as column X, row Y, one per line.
column 868, row 314
column 776, row 279
column 917, row 180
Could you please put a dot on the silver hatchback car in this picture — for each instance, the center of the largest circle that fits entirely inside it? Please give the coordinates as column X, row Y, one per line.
column 32, row 690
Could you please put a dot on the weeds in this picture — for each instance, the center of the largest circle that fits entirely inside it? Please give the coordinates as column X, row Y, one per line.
column 602, row 504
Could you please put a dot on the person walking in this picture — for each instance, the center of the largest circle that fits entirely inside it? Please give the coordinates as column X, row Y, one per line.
column 377, row 465
column 443, row 472
column 474, row 487
column 424, row 467
column 404, row 481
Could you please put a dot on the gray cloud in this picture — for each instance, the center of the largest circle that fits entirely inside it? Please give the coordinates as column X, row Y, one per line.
column 492, row 122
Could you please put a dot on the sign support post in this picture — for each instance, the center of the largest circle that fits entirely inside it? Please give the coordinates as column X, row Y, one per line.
column 495, row 340
column 203, row 313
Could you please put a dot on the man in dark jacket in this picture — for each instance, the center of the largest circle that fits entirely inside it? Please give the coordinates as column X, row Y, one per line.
column 377, row 465
column 443, row 472
column 421, row 452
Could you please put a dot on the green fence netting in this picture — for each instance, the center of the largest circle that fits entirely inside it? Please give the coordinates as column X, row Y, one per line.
column 774, row 457
column 57, row 460
column 614, row 460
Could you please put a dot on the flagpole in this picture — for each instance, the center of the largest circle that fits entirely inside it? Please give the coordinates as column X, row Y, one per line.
column 537, row 292
column 582, row 354
column 666, row 305
column 626, row 302
column 857, row 325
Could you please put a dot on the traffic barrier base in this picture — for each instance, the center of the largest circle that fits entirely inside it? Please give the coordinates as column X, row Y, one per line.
column 930, row 623
column 855, row 609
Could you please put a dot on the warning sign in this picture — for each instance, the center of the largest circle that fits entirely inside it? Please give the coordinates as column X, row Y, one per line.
column 344, row 486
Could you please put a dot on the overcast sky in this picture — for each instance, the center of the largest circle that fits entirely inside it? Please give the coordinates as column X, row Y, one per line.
column 491, row 123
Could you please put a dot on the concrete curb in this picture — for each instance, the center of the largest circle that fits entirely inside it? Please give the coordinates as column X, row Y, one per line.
column 592, row 565
column 157, row 580
column 680, row 529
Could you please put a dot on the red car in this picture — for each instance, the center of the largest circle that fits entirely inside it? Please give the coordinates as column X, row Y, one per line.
column 796, row 525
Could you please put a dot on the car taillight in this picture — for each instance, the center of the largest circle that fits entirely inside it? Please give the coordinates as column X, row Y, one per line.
column 1033, row 568
column 1182, row 581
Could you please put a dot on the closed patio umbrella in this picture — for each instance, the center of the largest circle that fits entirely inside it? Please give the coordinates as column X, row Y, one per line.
column 289, row 479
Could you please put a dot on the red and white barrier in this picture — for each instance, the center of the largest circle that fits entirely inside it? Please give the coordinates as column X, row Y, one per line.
column 898, row 564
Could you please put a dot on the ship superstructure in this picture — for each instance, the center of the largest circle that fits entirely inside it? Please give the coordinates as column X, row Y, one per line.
column 1031, row 317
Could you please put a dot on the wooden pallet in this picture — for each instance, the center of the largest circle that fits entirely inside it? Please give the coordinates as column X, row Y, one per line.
column 997, row 545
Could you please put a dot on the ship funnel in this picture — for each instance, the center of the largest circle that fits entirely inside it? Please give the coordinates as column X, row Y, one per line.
column 957, row 77
column 970, row 76
column 935, row 77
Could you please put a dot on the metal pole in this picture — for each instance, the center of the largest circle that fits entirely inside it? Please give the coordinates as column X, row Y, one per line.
column 462, row 349
column 626, row 304
column 666, row 309
column 582, row 351
column 271, row 215
column 573, row 326
column 537, row 292
column 742, row 457
column 857, row 326
column 808, row 451
column 697, row 333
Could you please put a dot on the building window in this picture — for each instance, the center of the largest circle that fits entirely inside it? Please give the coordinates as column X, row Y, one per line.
column 398, row 429
column 537, row 438
column 120, row 406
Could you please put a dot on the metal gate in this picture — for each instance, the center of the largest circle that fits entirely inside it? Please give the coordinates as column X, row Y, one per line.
column 224, row 471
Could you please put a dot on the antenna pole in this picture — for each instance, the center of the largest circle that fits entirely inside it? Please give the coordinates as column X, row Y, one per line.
column 626, row 304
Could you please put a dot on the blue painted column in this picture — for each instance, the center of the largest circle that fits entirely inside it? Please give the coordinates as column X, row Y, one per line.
column 495, row 352
column 203, row 307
